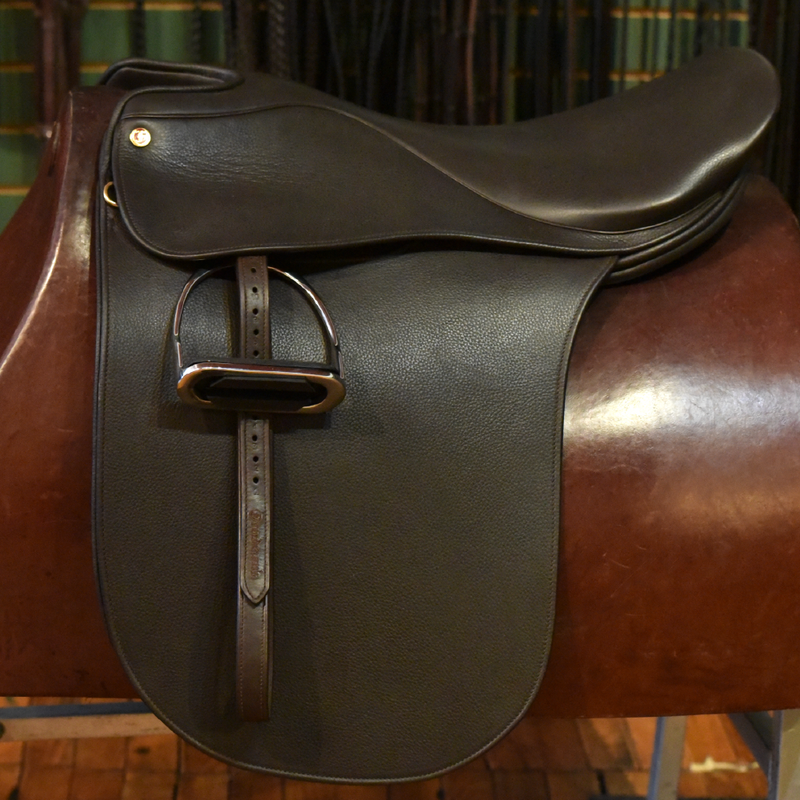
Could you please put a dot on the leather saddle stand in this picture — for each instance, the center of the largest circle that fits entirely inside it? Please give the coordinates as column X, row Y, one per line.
column 367, row 593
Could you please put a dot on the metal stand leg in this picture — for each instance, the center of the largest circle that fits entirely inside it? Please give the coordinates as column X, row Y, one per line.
column 784, row 768
column 665, row 768
column 757, row 732
column 774, row 740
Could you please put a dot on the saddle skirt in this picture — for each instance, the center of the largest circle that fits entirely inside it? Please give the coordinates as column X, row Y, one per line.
column 327, row 465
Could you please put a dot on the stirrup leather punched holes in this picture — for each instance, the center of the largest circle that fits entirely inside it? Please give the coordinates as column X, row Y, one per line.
column 264, row 386
column 256, row 389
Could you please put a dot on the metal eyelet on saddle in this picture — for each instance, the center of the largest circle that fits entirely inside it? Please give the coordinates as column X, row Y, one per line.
column 263, row 386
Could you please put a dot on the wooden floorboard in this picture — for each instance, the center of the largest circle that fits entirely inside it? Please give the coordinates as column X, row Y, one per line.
column 521, row 749
column 641, row 734
column 539, row 760
column 96, row 784
column 416, row 790
column 606, row 742
column 520, row 785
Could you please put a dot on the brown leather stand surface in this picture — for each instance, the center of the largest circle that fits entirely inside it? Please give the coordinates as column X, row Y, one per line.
column 680, row 516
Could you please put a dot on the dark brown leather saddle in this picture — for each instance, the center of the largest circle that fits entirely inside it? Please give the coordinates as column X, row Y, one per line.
column 326, row 506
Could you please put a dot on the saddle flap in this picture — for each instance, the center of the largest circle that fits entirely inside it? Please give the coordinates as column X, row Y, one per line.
column 411, row 578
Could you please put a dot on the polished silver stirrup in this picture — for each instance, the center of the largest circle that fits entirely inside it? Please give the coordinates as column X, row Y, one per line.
column 265, row 386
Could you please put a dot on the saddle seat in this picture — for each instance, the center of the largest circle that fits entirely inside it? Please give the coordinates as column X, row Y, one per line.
column 645, row 175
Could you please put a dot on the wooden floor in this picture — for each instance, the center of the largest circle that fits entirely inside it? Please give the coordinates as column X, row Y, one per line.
column 539, row 760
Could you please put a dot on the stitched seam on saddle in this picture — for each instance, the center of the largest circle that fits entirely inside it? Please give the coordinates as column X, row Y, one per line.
column 689, row 237
column 240, row 664
column 263, row 662
column 582, row 250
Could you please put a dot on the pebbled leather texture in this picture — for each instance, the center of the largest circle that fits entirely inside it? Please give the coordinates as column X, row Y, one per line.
column 415, row 528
